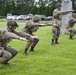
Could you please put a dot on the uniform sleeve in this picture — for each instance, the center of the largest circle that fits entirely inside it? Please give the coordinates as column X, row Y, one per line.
column 36, row 24
column 62, row 12
column 7, row 35
column 22, row 34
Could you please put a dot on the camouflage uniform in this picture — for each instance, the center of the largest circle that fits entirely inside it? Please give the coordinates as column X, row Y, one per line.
column 32, row 26
column 69, row 27
column 57, row 21
column 29, row 28
column 7, row 52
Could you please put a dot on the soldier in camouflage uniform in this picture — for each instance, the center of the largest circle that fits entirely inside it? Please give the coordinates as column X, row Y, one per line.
column 6, row 35
column 30, row 27
column 29, row 37
column 57, row 21
column 69, row 27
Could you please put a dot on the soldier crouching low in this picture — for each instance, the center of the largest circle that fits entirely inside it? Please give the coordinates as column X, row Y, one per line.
column 30, row 27
column 6, row 35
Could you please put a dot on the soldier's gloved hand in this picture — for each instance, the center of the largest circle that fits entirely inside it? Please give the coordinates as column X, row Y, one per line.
column 33, row 37
column 23, row 39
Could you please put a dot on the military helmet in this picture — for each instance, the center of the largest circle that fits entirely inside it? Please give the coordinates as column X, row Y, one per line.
column 36, row 17
column 72, row 20
column 12, row 23
column 58, row 5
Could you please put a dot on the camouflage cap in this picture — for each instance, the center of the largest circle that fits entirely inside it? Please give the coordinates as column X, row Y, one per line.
column 36, row 17
column 58, row 5
column 72, row 20
column 12, row 23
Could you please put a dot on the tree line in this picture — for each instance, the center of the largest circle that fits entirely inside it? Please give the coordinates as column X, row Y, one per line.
column 17, row 7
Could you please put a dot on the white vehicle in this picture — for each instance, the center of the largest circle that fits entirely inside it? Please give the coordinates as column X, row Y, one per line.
column 21, row 17
column 14, row 17
column 9, row 17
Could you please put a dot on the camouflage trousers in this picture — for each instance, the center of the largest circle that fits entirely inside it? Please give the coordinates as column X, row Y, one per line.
column 55, row 32
column 72, row 31
column 7, row 53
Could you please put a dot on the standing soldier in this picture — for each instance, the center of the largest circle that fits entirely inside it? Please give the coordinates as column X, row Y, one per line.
column 57, row 18
column 32, row 26
column 7, row 52
column 69, row 27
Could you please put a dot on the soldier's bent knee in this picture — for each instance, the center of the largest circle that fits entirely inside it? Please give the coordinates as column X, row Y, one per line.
column 36, row 39
column 14, row 53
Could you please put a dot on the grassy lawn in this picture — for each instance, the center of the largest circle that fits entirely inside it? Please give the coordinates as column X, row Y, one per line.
column 46, row 60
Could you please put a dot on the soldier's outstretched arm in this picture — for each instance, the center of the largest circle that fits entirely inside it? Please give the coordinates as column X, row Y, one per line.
column 23, row 34
column 43, row 24
column 63, row 12
column 67, row 11
column 8, row 35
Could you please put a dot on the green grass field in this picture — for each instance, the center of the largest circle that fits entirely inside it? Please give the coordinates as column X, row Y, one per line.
column 46, row 60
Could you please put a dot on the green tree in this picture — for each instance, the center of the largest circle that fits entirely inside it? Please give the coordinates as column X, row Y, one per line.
column 2, row 7
column 45, row 7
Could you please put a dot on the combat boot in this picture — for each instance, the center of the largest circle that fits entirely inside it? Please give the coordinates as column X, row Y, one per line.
column 5, row 62
column 70, row 37
column 32, row 49
column 52, row 42
column 56, row 41
column 25, row 52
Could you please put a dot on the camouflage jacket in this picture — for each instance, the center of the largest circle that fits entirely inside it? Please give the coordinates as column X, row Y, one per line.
column 57, row 17
column 6, row 36
column 30, row 27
